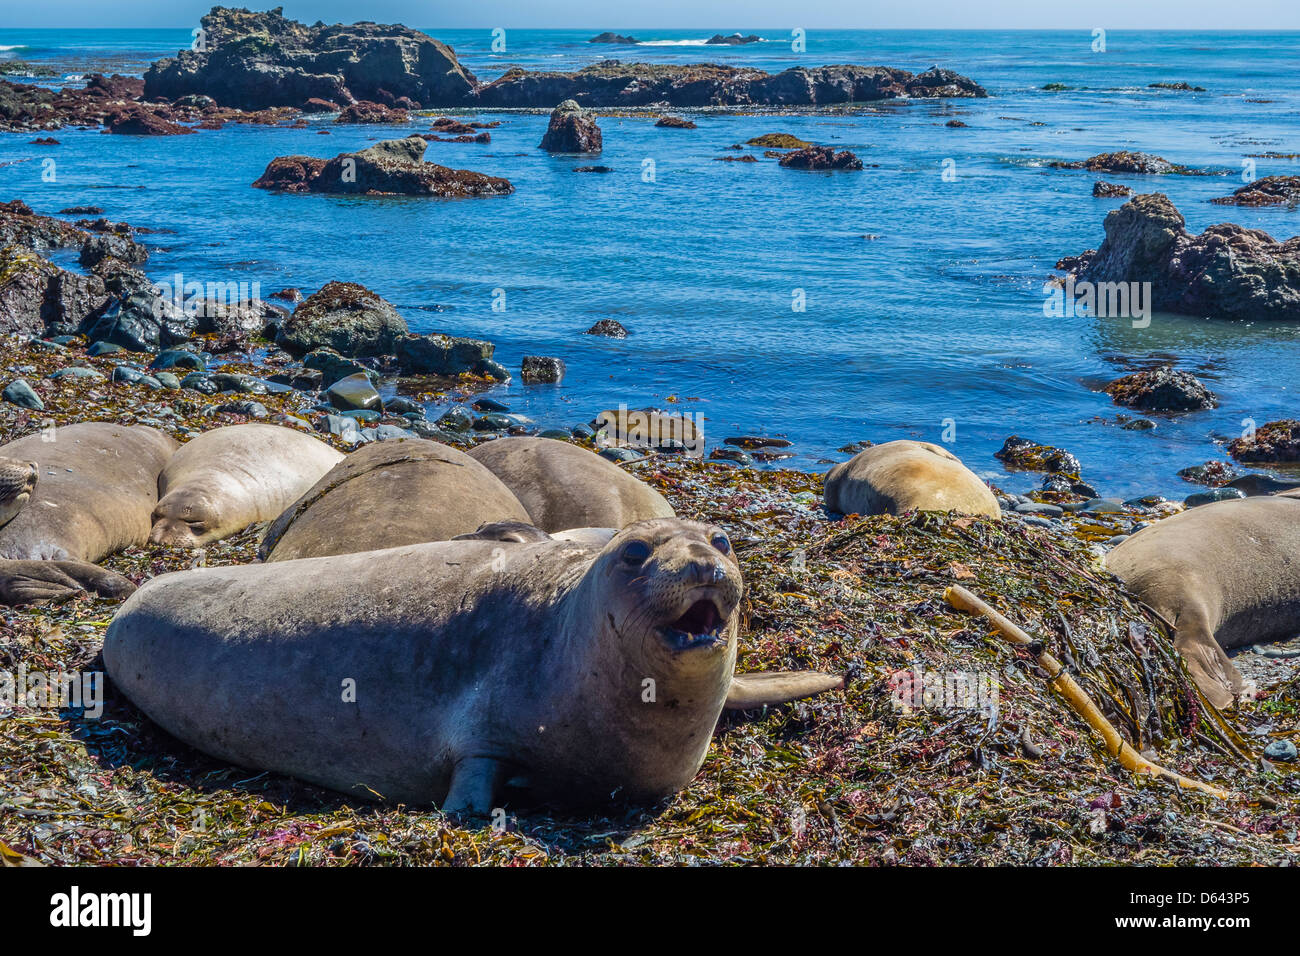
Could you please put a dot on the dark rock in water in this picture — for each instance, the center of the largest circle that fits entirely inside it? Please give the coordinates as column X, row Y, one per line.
column 778, row 141
column 489, row 405
column 398, row 405
column 362, row 415
column 1226, row 272
column 424, row 429
column 327, row 366
column 571, row 130
column 493, row 422
column 389, row 168
column 345, row 317
column 1254, row 485
column 1211, row 496
column 20, row 393
column 612, row 83
column 558, row 434
column 613, row 38
column 1269, row 191
column 1272, row 441
column 1027, row 455
column 1176, row 86
column 854, row 447
column 1212, row 473
column 734, row 39
column 288, row 295
column 820, row 157
column 1106, row 190
column 315, row 104
column 735, row 159
column 756, row 441
column 541, row 370
column 493, row 370
column 258, row 60
column 143, row 322
column 39, row 298
column 1162, row 390
column 1138, row 425
column 456, row 419
column 609, row 328
column 178, row 358
column 137, row 121
column 1147, row 164
column 437, row 354
column 1281, row 750
column 593, row 169
column 364, row 111
column 675, row 122
column 354, row 392
column 732, row 455
column 955, row 124
column 769, row 456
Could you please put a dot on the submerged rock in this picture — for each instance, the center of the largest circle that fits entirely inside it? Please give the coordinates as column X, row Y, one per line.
column 541, row 370
column 1104, row 190
column 821, row 157
column 1272, row 441
column 609, row 328
column 1162, row 390
column 1147, row 164
column 613, row 38
column 571, row 130
column 675, row 122
column 1025, row 454
column 1269, row 191
column 391, row 167
column 778, row 141
column 1227, row 271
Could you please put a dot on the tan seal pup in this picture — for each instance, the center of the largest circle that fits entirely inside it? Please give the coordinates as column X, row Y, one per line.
column 96, row 488
column 906, row 475
column 17, row 480
column 1224, row 575
column 229, row 478
column 565, row 486
column 441, row 672
column 405, row 491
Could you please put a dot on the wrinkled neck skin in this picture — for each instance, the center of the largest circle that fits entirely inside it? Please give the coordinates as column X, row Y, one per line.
column 641, row 741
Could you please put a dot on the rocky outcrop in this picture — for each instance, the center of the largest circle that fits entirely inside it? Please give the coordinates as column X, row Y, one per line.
column 732, row 39
column 437, row 354
column 608, row 328
column 38, row 298
column 1227, row 271
column 1147, row 164
column 613, row 38
column 675, row 122
column 1269, row 191
column 1162, row 390
column 391, row 167
column 1104, row 190
column 778, row 141
column 141, row 121
column 1273, row 441
column 820, row 157
column 571, row 130
column 345, row 317
column 1186, row 87
column 368, row 112
column 612, row 83
column 256, row 60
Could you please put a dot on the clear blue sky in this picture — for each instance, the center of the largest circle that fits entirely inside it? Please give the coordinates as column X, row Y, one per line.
column 704, row 14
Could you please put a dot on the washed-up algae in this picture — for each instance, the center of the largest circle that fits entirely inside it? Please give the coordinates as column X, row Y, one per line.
column 868, row 775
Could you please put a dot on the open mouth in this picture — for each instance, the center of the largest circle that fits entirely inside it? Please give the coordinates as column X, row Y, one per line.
column 701, row 626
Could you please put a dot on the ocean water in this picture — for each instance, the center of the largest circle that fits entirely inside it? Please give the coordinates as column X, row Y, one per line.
column 923, row 293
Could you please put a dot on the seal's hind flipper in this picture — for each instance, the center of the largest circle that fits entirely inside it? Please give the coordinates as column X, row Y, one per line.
column 35, row 582
column 748, row 691
column 1214, row 673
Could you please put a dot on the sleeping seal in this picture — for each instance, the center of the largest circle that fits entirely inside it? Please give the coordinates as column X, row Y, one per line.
column 564, row 486
column 17, row 480
column 442, row 671
column 229, row 478
column 405, row 491
column 1224, row 574
column 906, row 475
column 96, row 488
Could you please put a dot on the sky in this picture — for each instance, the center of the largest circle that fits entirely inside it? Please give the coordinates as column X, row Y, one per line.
column 713, row 15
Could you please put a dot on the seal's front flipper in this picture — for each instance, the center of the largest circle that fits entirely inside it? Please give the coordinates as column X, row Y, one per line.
column 474, row 785
column 1216, row 675
column 34, row 582
column 749, row 691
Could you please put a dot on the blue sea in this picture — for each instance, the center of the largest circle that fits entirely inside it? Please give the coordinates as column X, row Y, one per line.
column 923, row 294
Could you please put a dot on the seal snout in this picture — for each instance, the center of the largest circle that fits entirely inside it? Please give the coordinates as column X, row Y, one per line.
column 703, row 624
column 172, row 533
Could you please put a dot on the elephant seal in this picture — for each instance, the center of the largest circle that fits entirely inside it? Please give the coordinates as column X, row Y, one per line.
column 445, row 671
column 96, row 488
column 390, row 493
column 17, row 480
column 564, row 486
column 1224, row 575
column 906, row 475
column 229, row 478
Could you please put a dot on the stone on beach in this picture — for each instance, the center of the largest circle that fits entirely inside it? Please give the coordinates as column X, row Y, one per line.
column 345, row 317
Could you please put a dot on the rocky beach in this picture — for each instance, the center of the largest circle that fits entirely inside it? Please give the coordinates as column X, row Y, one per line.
column 106, row 319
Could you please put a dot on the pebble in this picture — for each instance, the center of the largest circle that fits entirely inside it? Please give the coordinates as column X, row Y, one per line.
column 133, row 376
column 620, row 454
column 559, row 434
column 168, row 380
column 200, row 382
column 364, row 416
column 340, row 426
column 494, row 370
column 1282, row 750
column 354, row 392
column 1037, row 522
column 23, row 395
column 400, row 405
column 104, row 348
column 77, row 371
column 456, row 419
column 1037, row 508
column 246, row 407
column 386, row 433
column 178, row 358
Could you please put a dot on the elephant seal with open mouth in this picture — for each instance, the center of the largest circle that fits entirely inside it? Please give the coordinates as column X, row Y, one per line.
column 441, row 672
column 230, row 478
column 96, row 487
column 1224, row 575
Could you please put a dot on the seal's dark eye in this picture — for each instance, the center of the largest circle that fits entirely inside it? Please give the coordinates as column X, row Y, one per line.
column 636, row 552
column 721, row 543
